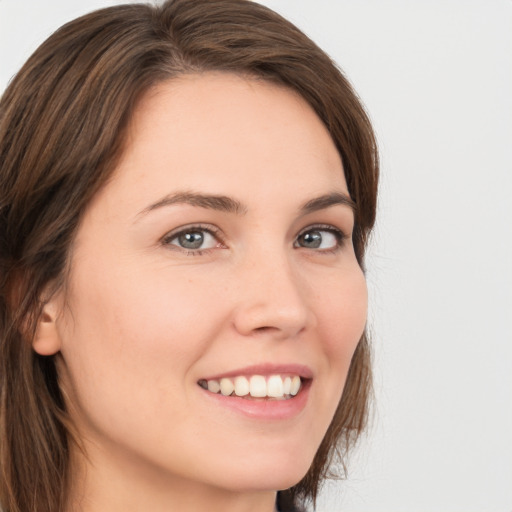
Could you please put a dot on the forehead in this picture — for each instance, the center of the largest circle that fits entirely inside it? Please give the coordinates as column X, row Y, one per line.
column 227, row 134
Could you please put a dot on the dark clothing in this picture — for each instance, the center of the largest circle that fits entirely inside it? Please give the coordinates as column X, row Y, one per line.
column 285, row 503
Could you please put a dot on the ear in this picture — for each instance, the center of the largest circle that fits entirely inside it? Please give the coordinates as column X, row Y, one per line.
column 47, row 340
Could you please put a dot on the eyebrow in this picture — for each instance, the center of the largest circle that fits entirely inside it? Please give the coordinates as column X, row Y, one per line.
column 326, row 201
column 230, row 205
column 209, row 201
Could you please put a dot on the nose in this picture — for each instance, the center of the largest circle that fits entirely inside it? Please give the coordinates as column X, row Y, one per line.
column 272, row 299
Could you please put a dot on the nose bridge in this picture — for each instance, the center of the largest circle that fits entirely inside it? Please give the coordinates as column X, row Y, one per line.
column 273, row 297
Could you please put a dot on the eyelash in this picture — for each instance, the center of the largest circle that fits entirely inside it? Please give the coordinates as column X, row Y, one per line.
column 340, row 236
column 216, row 233
column 211, row 230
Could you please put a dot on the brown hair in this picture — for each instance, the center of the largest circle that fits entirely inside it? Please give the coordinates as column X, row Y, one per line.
column 62, row 124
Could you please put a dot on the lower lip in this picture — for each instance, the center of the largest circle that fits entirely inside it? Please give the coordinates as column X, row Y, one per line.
column 264, row 409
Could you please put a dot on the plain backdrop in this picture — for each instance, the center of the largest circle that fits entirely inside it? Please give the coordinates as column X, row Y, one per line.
column 436, row 78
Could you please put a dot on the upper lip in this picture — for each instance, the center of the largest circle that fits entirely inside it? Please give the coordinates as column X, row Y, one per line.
column 266, row 369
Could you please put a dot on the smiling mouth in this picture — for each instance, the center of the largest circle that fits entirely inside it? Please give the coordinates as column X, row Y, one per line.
column 256, row 387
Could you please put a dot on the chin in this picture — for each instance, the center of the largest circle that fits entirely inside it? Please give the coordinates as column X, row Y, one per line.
column 276, row 474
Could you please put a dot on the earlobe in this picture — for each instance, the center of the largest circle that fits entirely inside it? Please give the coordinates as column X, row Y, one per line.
column 46, row 339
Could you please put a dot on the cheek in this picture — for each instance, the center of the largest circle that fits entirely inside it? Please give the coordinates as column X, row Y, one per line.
column 132, row 341
column 133, row 336
column 140, row 309
column 342, row 314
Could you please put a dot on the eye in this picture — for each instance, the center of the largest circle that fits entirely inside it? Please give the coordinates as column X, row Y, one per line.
column 326, row 238
column 194, row 239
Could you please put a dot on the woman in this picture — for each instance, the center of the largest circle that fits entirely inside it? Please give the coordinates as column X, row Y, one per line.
column 186, row 196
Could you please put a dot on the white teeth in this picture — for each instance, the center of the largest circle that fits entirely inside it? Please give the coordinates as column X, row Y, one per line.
column 257, row 386
column 226, row 386
column 213, row 386
column 287, row 385
column 295, row 385
column 241, row 386
column 275, row 386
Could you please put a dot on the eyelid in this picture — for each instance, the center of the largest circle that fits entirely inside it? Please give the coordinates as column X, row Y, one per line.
column 209, row 228
column 214, row 231
column 323, row 227
column 340, row 234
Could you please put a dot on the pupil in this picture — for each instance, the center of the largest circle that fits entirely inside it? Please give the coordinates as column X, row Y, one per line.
column 192, row 240
column 313, row 239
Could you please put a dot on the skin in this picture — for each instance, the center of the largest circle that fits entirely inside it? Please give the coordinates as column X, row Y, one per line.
column 142, row 319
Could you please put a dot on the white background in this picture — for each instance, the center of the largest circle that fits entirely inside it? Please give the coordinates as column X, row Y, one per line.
column 436, row 77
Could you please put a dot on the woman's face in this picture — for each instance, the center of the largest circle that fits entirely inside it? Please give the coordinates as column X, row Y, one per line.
column 219, row 254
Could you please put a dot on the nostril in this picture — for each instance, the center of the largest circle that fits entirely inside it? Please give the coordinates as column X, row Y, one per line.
column 263, row 329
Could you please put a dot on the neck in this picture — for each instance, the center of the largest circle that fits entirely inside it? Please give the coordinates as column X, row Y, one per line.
column 105, row 483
